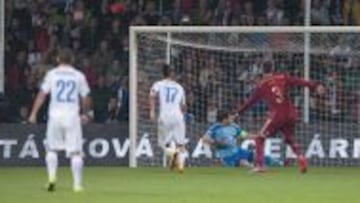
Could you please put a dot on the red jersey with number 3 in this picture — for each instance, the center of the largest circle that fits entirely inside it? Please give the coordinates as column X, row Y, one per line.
column 274, row 91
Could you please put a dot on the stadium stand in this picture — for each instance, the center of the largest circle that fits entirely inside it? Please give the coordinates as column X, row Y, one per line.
column 97, row 31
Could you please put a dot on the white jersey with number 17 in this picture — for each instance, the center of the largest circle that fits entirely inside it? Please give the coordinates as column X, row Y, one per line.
column 171, row 95
column 65, row 84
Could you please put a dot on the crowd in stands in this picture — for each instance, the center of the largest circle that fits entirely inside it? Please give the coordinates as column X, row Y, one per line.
column 97, row 32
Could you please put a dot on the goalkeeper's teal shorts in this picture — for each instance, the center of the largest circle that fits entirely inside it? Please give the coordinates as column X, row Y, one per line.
column 234, row 160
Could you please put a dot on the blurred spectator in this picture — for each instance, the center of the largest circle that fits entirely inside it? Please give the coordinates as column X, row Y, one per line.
column 123, row 100
column 102, row 58
column 101, row 95
column 334, row 85
column 212, row 111
column 5, row 109
column 111, row 115
column 24, row 115
column 352, row 12
column 255, row 67
column 294, row 11
column 97, row 30
column 34, row 55
column 89, row 72
column 17, row 73
column 114, row 73
column 336, row 13
column 319, row 13
column 190, row 107
column 274, row 14
column 150, row 14
column 248, row 17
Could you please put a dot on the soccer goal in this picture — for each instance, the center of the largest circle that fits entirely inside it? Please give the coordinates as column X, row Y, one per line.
column 219, row 66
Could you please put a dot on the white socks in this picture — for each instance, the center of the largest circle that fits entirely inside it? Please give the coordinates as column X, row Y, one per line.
column 169, row 151
column 181, row 158
column 51, row 165
column 77, row 169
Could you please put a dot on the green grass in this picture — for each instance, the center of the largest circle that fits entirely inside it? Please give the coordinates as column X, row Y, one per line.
column 156, row 185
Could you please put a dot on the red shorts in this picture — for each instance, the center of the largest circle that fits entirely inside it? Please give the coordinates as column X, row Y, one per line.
column 274, row 124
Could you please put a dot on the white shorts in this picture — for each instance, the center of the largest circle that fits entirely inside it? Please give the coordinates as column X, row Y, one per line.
column 64, row 135
column 171, row 128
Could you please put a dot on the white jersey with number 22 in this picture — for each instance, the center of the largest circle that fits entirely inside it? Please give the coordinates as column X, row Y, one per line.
column 65, row 85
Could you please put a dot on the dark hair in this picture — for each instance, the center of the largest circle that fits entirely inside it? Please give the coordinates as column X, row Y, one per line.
column 221, row 115
column 167, row 70
column 268, row 67
column 65, row 55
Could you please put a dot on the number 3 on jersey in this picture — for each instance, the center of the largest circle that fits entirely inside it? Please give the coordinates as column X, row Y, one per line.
column 171, row 93
column 278, row 94
column 65, row 91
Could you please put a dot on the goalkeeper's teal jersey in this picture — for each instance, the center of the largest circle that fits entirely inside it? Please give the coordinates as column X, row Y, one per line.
column 225, row 138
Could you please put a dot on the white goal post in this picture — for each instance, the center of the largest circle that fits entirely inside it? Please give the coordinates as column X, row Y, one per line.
column 165, row 36
column 2, row 46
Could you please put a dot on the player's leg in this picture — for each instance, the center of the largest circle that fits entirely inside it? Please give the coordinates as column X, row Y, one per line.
column 259, row 151
column 268, row 129
column 271, row 161
column 164, row 139
column 51, row 166
column 288, row 131
column 230, row 161
column 77, row 164
column 242, row 158
column 172, row 154
column 73, row 141
column 54, row 143
column 238, row 159
column 179, row 131
column 166, row 142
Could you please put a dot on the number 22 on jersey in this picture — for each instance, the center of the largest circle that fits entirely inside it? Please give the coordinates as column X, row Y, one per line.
column 65, row 91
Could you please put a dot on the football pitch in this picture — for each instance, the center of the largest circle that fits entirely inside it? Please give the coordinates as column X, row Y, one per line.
column 158, row 185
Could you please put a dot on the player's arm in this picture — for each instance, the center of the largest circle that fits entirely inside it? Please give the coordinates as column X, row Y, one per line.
column 243, row 134
column 206, row 139
column 152, row 99
column 314, row 86
column 246, row 135
column 183, row 101
column 251, row 101
column 40, row 98
column 39, row 101
column 86, row 114
column 85, row 100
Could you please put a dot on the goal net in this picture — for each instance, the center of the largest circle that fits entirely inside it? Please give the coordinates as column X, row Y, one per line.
column 219, row 67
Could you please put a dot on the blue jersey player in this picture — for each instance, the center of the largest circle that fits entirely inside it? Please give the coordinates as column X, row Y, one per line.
column 224, row 136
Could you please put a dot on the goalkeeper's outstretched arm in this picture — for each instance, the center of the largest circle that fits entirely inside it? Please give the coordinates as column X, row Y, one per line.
column 206, row 139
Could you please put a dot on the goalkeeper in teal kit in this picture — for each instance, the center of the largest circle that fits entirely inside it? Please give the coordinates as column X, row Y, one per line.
column 223, row 136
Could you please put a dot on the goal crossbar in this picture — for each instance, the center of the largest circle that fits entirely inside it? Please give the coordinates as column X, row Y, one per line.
column 245, row 29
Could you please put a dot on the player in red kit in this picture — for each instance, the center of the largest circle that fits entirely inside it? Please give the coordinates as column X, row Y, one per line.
column 273, row 89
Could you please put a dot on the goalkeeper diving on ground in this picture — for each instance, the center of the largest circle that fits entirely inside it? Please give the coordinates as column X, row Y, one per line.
column 224, row 135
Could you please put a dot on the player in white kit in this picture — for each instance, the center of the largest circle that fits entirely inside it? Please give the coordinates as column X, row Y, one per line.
column 67, row 88
column 171, row 124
